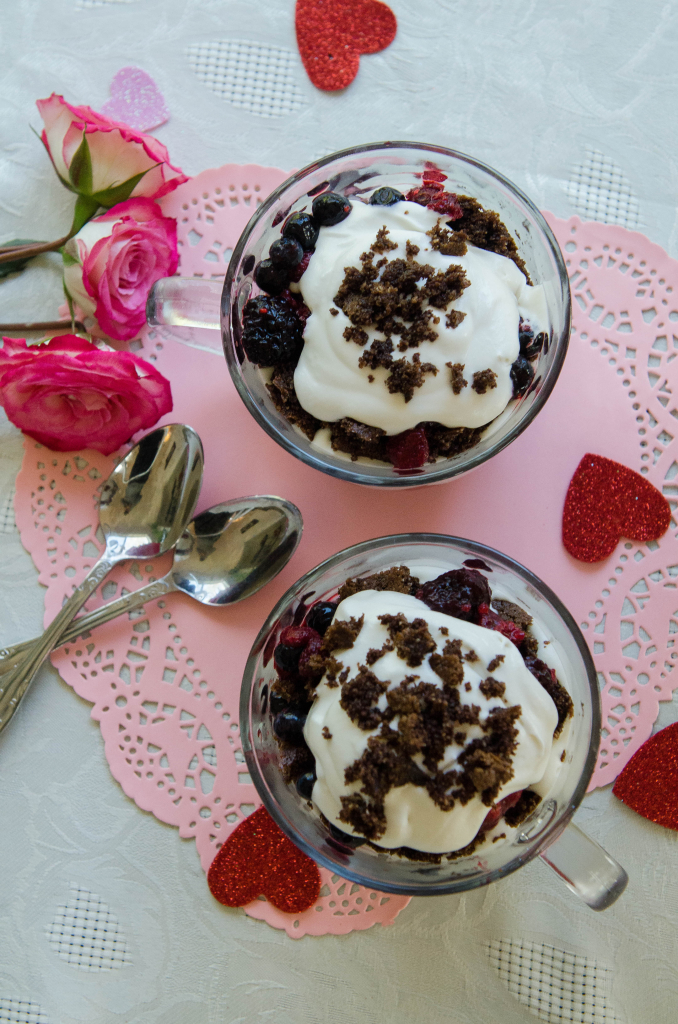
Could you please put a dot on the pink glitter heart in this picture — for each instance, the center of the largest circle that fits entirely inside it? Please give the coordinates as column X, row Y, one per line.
column 136, row 100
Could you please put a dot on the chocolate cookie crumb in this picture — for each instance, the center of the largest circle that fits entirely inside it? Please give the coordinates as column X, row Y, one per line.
column 444, row 630
column 358, row 697
column 495, row 663
column 326, row 733
column 554, row 688
column 341, row 635
column 397, row 578
column 380, row 353
column 513, row 612
column 374, row 654
column 457, row 379
column 333, row 311
column 411, row 250
column 496, row 839
column 448, row 665
column 484, row 380
column 370, row 378
column 449, row 441
column 468, row 687
column 382, row 242
column 523, row 809
column 446, row 242
column 358, row 439
column 294, row 761
column 356, row 335
column 492, row 687
column 284, row 397
column 562, row 756
column 367, row 819
column 405, row 377
column 471, row 655
column 412, row 639
column 485, row 229
column 454, row 318
column 446, row 286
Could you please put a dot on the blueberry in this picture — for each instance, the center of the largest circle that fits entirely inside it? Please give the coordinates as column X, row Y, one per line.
column 303, row 228
column 305, row 785
column 289, row 725
column 458, row 593
column 286, row 252
column 287, row 658
column 344, row 837
column 271, row 278
column 531, row 346
column 522, row 375
column 277, row 702
column 320, row 616
column 330, row 208
column 272, row 331
column 386, row 196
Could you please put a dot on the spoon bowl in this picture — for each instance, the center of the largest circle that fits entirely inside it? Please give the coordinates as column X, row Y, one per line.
column 231, row 550
column 151, row 493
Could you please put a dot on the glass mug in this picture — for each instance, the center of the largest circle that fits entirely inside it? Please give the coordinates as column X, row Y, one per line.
column 196, row 302
column 548, row 832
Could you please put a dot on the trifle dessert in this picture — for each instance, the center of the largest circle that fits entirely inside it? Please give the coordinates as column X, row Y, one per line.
column 419, row 712
column 395, row 327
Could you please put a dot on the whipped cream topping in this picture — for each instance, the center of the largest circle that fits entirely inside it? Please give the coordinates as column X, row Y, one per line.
column 336, row 741
column 328, row 380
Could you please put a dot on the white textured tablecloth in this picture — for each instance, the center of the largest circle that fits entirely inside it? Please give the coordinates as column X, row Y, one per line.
column 104, row 912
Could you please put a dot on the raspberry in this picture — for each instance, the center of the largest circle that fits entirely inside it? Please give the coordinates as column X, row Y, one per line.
column 297, row 636
column 458, row 592
column 296, row 273
column 424, row 194
column 432, row 174
column 408, row 450
column 490, row 620
column 312, row 647
column 499, row 810
column 447, row 203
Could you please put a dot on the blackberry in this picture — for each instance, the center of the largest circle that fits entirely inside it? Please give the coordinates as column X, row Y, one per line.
column 286, row 252
column 303, row 228
column 386, row 196
column 272, row 331
column 320, row 616
column 271, row 278
column 522, row 375
column 330, row 208
column 458, row 593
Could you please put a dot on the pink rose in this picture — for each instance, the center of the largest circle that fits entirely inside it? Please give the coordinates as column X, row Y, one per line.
column 68, row 394
column 104, row 159
column 115, row 259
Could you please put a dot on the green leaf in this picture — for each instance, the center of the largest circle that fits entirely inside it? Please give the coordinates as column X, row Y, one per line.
column 119, row 193
column 19, row 264
column 85, row 208
column 69, row 261
column 80, row 171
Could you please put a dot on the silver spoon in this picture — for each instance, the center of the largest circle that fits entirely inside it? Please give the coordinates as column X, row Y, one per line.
column 143, row 510
column 226, row 554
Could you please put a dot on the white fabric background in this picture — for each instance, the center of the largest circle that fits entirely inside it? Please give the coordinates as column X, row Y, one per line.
column 104, row 912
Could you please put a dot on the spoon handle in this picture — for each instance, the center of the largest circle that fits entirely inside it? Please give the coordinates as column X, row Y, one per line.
column 12, row 656
column 17, row 681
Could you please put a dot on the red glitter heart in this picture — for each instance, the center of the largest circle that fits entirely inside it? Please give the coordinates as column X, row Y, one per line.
column 649, row 782
column 606, row 501
column 331, row 35
column 258, row 859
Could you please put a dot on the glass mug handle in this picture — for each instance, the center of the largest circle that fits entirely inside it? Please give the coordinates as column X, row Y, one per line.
column 185, row 302
column 585, row 867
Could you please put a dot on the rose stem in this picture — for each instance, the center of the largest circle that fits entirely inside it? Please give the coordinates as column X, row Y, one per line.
column 44, row 325
column 10, row 253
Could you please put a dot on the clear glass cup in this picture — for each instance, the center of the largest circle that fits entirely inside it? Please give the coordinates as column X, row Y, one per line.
column 196, row 302
column 584, row 866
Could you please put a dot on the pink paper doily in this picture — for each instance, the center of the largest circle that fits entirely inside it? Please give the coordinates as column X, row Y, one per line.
column 164, row 686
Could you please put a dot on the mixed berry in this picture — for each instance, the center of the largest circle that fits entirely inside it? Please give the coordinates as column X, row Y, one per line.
column 273, row 323
column 461, row 593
